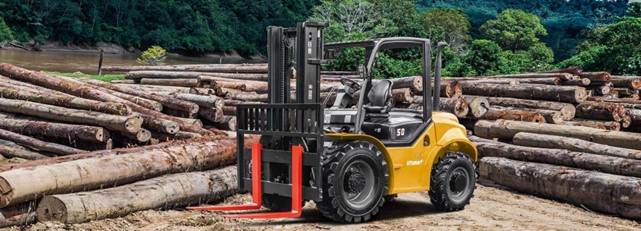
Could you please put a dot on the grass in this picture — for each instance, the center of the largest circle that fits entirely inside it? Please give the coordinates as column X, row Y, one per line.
column 106, row 78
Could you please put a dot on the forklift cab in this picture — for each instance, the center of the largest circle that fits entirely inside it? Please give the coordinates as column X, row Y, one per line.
column 374, row 114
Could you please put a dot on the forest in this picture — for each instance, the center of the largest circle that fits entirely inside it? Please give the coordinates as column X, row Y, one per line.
column 485, row 37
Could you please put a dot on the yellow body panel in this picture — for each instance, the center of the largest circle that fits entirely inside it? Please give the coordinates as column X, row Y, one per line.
column 409, row 167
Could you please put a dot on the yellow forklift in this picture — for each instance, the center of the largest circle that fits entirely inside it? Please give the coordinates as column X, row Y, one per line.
column 350, row 160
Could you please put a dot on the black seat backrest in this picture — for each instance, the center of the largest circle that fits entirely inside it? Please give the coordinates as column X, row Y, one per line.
column 381, row 94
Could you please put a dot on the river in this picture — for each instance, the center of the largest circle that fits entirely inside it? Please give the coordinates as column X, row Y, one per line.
column 87, row 61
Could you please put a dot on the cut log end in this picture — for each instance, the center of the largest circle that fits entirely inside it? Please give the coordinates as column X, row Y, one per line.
column 51, row 209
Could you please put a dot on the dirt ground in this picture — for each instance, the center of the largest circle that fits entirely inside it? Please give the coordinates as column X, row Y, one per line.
column 490, row 209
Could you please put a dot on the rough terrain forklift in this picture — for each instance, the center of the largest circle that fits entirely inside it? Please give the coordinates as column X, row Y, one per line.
column 349, row 160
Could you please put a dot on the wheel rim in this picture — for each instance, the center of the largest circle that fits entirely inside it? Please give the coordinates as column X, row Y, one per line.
column 359, row 182
column 458, row 184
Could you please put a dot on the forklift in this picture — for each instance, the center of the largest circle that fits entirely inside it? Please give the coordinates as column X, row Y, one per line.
column 349, row 160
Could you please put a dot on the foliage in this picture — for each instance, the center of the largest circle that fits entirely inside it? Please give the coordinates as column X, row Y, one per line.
column 106, row 78
column 514, row 30
column 482, row 58
column 634, row 10
column 5, row 31
column 615, row 49
column 153, row 56
column 452, row 25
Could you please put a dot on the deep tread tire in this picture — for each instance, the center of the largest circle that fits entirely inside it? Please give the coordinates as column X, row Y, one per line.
column 440, row 182
column 335, row 161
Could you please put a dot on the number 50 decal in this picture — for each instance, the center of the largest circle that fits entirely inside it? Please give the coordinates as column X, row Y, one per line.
column 400, row 132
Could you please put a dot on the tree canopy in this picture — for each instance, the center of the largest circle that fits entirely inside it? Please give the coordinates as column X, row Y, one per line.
column 514, row 30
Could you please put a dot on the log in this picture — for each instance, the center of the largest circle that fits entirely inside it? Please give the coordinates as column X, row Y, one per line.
column 600, row 111
column 601, row 90
column 201, row 100
column 240, row 86
column 567, row 110
column 478, row 105
column 229, row 110
column 576, row 82
column 38, row 144
column 593, row 190
column 631, row 82
column 570, row 70
column 247, row 97
column 178, row 136
column 89, row 146
column 162, row 75
column 14, row 152
column 569, row 94
column 573, row 144
column 143, row 135
column 57, row 130
column 164, row 192
column 166, row 101
column 506, row 129
column 402, row 96
column 140, row 101
column 228, row 123
column 20, row 185
column 493, row 81
column 237, row 76
column 606, row 125
column 231, row 102
column 18, row 215
column 450, row 90
column 228, row 68
column 166, row 90
column 626, row 92
column 414, row 83
column 172, row 82
column 494, row 113
column 546, row 81
column 456, row 106
column 563, row 76
column 596, row 76
column 127, row 124
column 532, row 153
column 552, row 117
column 178, row 114
column 62, row 100
column 152, row 119
column 212, row 114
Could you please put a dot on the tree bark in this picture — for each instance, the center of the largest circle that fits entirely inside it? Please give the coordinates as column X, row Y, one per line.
column 632, row 82
column 601, row 90
column 563, row 76
column 512, row 114
column 172, row 82
column 162, row 75
column 596, row 76
column 600, row 111
column 15, row 152
column 229, row 110
column 166, row 101
column 531, row 152
column 237, row 76
column 62, row 100
column 164, row 90
column 576, row 82
column 567, row 110
column 18, row 215
column 140, row 101
column 570, row 70
column 546, row 81
column 493, row 81
column 18, row 185
column 201, row 100
column 569, row 94
column 57, row 130
column 178, row 136
column 152, row 119
column 606, row 125
column 506, row 129
column 165, row 192
column 573, row 144
column 229, row 68
column 593, row 190
column 128, row 124
column 228, row 123
column 402, row 96
column 478, row 105
column 456, row 106
column 249, row 97
column 212, row 114
column 143, row 135
column 38, row 144
column 626, row 92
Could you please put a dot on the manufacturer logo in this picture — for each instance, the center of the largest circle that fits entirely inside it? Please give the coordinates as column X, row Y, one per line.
column 414, row 162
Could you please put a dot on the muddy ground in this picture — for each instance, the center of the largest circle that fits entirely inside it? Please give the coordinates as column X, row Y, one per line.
column 491, row 209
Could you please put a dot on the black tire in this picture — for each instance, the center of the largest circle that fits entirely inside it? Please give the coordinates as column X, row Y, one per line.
column 354, row 182
column 452, row 182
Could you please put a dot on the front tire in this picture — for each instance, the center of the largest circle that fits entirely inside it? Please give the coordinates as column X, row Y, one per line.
column 354, row 182
column 452, row 182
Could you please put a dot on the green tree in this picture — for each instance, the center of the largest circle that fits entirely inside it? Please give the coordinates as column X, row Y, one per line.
column 634, row 10
column 514, row 30
column 5, row 31
column 541, row 56
column 482, row 58
column 452, row 25
column 153, row 56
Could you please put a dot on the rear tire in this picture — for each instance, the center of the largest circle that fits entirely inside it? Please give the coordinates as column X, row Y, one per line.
column 354, row 182
column 452, row 182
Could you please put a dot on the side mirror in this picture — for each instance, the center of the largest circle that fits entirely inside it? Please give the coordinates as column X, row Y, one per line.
column 362, row 71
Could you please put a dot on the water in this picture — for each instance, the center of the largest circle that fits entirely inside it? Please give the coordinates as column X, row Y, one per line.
column 87, row 61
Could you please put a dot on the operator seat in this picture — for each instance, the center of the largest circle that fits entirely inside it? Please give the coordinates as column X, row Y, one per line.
column 379, row 100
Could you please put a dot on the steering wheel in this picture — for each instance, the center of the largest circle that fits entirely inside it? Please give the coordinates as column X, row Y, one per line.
column 351, row 84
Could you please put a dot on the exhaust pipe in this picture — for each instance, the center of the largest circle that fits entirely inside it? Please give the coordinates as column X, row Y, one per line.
column 437, row 76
